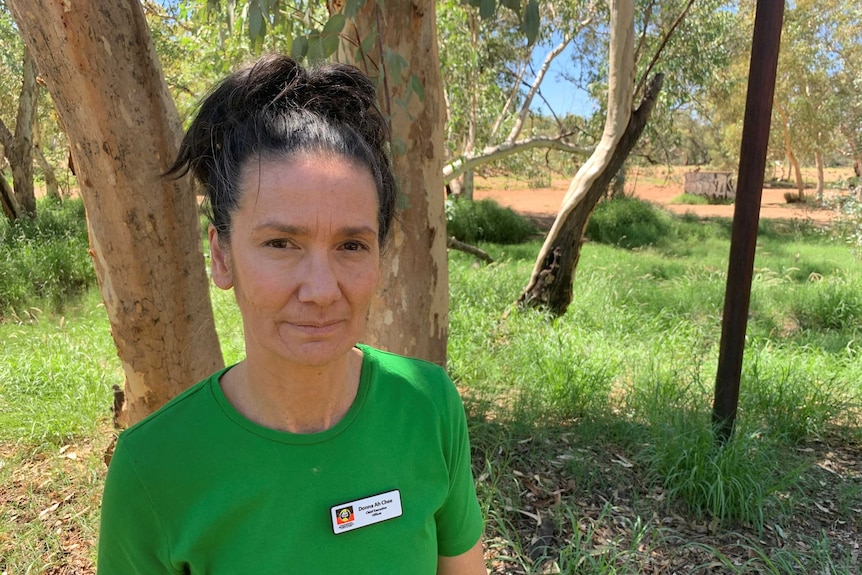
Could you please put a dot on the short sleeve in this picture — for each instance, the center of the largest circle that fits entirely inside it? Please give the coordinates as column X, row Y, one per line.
column 131, row 537
column 459, row 520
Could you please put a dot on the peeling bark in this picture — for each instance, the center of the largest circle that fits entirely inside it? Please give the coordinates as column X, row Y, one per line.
column 102, row 71
column 410, row 314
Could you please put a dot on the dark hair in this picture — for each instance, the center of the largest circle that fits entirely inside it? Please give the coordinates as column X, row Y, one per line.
column 276, row 108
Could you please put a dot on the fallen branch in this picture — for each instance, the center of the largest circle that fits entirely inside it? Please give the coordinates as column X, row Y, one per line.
column 467, row 248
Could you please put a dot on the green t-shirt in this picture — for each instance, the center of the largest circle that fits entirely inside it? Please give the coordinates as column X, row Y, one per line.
column 198, row 488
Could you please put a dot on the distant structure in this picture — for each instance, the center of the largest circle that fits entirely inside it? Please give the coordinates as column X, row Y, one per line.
column 717, row 187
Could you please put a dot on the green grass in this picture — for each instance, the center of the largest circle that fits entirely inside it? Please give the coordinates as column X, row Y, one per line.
column 56, row 373
column 596, row 423
column 44, row 262
column 690, row 199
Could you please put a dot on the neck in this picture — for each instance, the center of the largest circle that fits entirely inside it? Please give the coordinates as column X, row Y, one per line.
column 291, row 398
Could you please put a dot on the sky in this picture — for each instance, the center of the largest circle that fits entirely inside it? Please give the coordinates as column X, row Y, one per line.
column 563, row 96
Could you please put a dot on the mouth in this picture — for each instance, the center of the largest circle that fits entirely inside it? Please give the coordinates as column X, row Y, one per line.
column 316, row 327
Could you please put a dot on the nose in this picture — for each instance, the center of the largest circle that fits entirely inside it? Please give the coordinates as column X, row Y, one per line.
column 319, row 280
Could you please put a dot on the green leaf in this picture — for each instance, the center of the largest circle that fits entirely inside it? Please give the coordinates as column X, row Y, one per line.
column 530, row 25
column 398, row 146
column 395, row 64
column 513, row 5
column 334, row 25
column 352, row 7
column 367, row 44
column 255, row 21
column 330, row 44
column 316, row 51
column 487, row 8
column 299, row 48
column 416, row 85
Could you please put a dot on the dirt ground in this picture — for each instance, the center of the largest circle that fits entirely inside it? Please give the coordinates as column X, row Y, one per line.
column 659, row 187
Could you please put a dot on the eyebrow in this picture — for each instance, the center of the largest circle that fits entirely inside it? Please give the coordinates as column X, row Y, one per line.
column 294, row 230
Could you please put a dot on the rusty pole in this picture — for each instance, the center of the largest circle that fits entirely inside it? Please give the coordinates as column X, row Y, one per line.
column 746, row 215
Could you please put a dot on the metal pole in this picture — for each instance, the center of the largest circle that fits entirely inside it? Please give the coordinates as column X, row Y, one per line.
column 752, row 163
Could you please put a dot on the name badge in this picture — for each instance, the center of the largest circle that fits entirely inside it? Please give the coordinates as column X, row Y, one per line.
column 366, row 511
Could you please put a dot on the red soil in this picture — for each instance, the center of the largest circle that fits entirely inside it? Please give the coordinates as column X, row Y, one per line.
column 544, row 203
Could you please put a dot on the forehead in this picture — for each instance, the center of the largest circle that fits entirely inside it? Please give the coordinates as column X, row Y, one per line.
column 302, row 185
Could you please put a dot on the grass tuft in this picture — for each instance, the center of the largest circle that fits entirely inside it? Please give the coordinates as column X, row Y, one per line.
column 486, row 221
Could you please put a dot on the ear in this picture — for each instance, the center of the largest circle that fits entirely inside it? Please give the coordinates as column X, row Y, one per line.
column 220, row 261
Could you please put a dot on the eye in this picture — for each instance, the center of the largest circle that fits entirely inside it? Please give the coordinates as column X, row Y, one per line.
column 277, row 243
column 353, row 246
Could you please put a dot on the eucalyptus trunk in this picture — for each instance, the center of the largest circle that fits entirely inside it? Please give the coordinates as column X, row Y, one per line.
column 20, row 153
column 550, row 285
column 410, row 314
column 99, row 64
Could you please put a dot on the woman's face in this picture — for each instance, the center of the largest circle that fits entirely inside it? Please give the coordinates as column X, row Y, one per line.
column 303, row 259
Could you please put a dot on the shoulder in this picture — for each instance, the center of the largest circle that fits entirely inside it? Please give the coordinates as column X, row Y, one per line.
column 416, row 377
column 399, row 365
column 173, row 420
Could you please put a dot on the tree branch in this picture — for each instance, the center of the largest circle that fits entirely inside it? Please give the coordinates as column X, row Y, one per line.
column 468, row 162
column 540, row 75
column 664, row 42
column 455, row 244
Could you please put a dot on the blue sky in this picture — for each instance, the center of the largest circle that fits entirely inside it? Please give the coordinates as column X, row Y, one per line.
column 563, row 96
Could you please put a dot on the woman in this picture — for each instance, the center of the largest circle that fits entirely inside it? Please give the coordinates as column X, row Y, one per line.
column 314, row 454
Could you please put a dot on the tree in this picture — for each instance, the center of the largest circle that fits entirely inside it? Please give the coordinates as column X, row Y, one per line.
column 144, row 233
column 485, row 50
column 18, row 146
column 550, row 285
column 25, row 114
column 410, row 314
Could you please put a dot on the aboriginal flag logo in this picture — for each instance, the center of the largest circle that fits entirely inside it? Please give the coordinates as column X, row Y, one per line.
column 344, row 515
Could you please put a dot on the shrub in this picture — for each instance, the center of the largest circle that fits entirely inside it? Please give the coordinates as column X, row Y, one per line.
column 45, row 258
column 486, row 220
column 628, row 223
column 847, row 226
column 690, row 199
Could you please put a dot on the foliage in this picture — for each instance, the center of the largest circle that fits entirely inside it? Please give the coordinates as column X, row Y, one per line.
column 62, row 390
column 628, row 223
column 45, row 259
column 486, row 221
column 690, row 199
column 848, row 224
column 727, row 482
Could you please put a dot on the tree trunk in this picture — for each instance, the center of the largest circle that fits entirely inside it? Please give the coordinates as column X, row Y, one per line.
column 550, row 286
column 101, row 69
column 20, row 153
column 821, row 185
column 618, row 188
column 11, row 209
column 52, row 186
column 551, row 283
column 410, row 314
column 468, row 185
column 791, row 157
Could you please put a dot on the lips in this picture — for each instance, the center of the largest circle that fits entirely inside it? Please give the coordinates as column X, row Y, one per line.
column 316, row 327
